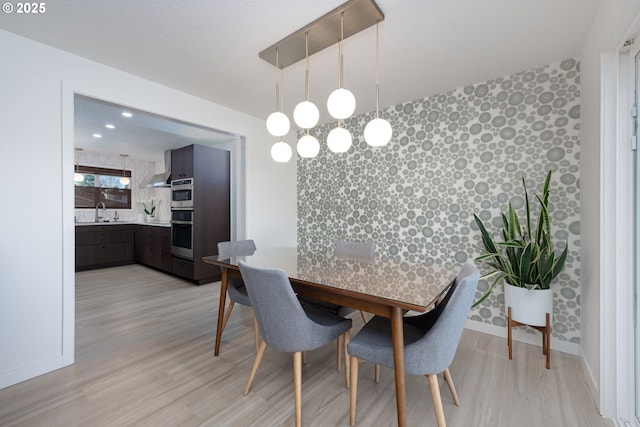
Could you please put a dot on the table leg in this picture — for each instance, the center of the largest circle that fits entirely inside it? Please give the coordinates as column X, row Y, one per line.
column 223, row 300
column 397, row 337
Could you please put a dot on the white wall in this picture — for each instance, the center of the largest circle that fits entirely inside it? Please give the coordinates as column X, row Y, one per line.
column 604, row 240
column 37, row 84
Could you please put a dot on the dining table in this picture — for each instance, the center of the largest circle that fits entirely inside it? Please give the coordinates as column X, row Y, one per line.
column 384, row 286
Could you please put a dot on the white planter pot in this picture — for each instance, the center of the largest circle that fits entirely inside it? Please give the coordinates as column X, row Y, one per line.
column 529, row 306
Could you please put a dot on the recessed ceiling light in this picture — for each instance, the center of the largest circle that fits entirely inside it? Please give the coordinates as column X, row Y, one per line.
column 97, row 135
column 109, row 126
column 127, row 114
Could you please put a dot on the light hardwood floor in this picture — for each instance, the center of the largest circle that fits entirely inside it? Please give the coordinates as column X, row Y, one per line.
column 144, row 357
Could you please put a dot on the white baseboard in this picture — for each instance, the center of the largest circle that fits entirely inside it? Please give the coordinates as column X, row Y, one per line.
column 32, row 370
column 522, row 336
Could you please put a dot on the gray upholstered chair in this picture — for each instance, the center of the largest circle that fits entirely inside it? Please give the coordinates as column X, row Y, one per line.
column 235, row 287
column 430, row 341
column 285, row 325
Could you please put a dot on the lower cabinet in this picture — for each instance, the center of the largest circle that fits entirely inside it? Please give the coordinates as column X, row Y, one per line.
column 183, row 268
column 99, row 246
column 153, row 246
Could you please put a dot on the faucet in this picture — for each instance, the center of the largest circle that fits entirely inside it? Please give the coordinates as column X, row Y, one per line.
column 98, row 217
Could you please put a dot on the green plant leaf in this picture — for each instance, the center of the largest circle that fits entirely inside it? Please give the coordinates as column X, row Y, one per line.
column 524, row 257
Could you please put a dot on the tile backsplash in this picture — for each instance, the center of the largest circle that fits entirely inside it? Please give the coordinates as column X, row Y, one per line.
column 453, row 155
column 141, row 173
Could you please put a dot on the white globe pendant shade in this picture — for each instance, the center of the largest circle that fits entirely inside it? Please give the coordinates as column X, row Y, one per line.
column 308, row 146
column 278, row 124
column 78, row 177
column 341, row 103
column 377, row 132
column 281, row 152
column 124, row 180
column 339, row 140
column 306, row 114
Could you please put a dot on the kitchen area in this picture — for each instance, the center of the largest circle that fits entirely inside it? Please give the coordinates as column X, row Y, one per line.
column 164, row 214
column 189, row 215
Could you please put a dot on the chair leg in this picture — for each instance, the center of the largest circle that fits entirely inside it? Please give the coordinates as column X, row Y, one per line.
column 256, row 333
column 376, row 373
column 347, row 364
column 227, row 314
column 452, row 388
column 509, row 325
column 434, row 386
column 338, row 350
column 256, row 363
column 547, row 333
column 297, row 385
column 364, row 319
column 353, row 394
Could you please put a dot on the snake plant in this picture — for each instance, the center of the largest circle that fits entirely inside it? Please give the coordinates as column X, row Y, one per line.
column 525, row 256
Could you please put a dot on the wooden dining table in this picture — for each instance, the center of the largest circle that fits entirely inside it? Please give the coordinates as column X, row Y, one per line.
column 385, row 287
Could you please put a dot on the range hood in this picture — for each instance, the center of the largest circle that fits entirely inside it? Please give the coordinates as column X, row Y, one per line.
column 163, row 179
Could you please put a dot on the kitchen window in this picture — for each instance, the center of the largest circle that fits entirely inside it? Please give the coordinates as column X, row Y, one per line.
column 102, row 185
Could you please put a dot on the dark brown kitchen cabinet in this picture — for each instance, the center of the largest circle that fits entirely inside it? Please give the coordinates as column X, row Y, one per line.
column 182, row 162
column 182, row 267
column 153, row 246
column 99, row 246
column 210, row 169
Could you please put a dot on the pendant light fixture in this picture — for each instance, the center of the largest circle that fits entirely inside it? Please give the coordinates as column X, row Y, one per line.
column 306, row 114
column 339, row 139
column 281, row 152
column 354, row 16
column 124, row 180
column 77, row 176
column 378, row 131
column 341, row 102
column 277, row 122
column 308, row 146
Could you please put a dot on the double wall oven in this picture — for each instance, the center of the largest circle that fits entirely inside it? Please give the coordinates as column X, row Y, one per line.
column 182, row 218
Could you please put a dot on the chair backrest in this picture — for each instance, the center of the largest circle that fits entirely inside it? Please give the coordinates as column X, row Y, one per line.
column 434, row 352
column 359, row 250
column 236, row 248
column 282, row 321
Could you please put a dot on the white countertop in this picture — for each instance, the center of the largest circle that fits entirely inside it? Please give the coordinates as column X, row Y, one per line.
column 154, row 224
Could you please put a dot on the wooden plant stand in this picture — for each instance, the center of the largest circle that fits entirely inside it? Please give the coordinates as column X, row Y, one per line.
column 546, row 335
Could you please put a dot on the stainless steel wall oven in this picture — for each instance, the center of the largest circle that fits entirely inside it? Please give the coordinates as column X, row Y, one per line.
column 182, row 193
column 182, row 233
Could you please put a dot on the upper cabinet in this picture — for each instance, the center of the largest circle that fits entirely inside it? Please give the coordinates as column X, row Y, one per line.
column 182, row 162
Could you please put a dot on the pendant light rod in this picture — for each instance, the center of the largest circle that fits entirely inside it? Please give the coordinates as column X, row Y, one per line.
column 377, row 71
column 78, row 150
column 124, row 163
column 340, row 53
column 277, row 80
column 77, row 176
column 306, row 74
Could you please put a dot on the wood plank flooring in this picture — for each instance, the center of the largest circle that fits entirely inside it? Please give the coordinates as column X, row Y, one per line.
column 144, row 357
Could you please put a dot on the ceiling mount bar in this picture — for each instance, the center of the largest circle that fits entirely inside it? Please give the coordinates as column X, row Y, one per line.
column 324, row 32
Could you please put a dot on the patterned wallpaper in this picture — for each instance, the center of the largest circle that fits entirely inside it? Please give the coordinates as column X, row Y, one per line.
column 452, row 155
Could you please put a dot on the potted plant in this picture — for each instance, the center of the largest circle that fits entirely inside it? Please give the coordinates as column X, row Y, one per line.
column 150, row 211
column 525, row 258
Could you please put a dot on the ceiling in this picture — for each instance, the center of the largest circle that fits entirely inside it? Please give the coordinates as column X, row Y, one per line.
column 210, row 48
column 143, row 135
